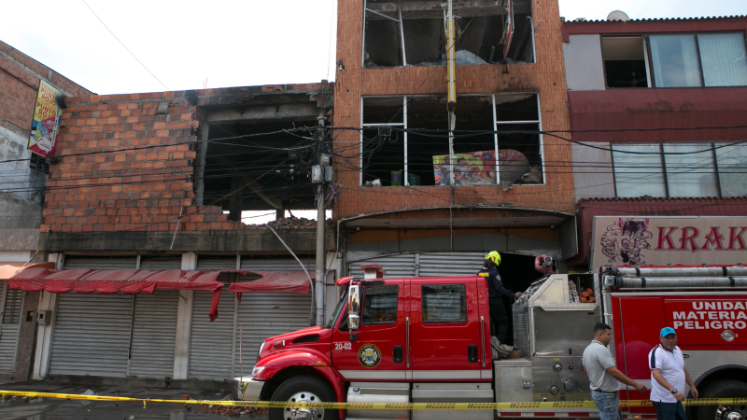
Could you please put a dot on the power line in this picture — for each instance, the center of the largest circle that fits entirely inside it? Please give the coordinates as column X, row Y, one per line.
column 125, row 47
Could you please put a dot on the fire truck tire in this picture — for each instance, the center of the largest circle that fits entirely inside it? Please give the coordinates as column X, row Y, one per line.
column 725, row 388
column 306, row 389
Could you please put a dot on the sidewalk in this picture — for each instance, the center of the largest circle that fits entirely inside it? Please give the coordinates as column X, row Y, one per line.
column 53, row 409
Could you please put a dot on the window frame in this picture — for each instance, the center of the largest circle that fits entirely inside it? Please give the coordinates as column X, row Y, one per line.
column 711, row 145
column 463, row 312
column 649, row 59
column 496, row 136
column 366, row 306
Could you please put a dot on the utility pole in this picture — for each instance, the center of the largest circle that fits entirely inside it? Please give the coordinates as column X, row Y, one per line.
column 320, row 174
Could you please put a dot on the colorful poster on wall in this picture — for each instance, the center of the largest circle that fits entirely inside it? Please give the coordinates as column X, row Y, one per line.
column 46, row 123
column 478, row 168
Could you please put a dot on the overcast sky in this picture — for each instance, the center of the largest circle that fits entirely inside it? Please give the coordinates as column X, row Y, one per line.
column 229, row 43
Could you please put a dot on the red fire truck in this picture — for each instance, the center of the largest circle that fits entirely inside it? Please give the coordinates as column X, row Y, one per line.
column 400, row 340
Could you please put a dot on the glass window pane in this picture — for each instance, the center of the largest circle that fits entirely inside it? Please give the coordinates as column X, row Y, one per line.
column 444, row 303
column 691, row 175
column 638, row 174
column 732, row 170
column 675, row 61
column 723, row 59
column 380, row 305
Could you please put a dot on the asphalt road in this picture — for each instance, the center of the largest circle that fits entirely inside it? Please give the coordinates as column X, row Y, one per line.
column 18, row 408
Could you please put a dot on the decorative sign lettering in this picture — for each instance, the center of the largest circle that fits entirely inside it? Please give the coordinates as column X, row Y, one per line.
column 703, row 321
column 668, row 240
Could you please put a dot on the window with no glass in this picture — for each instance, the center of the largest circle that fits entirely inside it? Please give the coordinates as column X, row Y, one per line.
column 405, row 141
column 412, row 32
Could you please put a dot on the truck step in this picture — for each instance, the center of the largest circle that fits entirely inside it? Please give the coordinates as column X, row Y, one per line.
column 378, row 392
column 449, row 392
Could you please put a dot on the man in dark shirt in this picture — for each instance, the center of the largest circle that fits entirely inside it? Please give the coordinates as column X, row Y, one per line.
column 496, row 292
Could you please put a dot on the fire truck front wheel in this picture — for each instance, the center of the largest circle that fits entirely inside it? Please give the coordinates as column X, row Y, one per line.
column 725, row 388
column 303, row 389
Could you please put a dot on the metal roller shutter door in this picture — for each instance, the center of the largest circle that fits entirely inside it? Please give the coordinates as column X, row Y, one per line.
column 91, row 335
column 264, row 315
column 11, row 310
column 207, row 263
column 276, row 264
column 439, row 264
column 402, row 265
column 165, row 263
column 101, row 263
column 154, row 334
column 211, row 343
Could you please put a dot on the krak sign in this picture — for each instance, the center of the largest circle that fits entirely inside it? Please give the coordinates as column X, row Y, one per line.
column 630, row 240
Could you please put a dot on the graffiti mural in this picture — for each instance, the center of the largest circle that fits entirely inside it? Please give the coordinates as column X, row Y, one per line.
column 624, row 241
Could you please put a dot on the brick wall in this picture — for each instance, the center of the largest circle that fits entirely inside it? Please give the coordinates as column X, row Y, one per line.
column 545, row 77
column 146, row 186
column 19, row 84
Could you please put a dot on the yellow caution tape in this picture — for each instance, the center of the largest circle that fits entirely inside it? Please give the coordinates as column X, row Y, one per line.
column 375, row 406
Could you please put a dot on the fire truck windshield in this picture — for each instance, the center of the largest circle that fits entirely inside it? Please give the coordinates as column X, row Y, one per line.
column 338, row 310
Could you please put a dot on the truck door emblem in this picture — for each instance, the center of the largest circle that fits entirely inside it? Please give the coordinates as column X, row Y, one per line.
column 369, row 355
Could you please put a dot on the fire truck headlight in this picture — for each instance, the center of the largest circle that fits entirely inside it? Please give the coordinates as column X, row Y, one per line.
column 727, row 335
column 257, row 370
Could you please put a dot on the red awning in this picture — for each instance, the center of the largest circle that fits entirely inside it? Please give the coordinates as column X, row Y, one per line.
column 130, row 281
column 275, row 282
column 10, row 269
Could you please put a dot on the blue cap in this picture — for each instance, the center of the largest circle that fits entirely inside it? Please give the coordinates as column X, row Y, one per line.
column 667, row 331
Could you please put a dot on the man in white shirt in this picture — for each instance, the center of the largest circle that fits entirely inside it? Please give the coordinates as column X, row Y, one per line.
column 668, row 377
column 599, row 366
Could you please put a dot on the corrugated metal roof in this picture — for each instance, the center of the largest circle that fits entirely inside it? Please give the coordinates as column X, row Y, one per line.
column 666, row 19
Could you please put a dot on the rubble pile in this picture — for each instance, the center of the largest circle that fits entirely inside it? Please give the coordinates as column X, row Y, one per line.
column 232, row 411
column 293, row 223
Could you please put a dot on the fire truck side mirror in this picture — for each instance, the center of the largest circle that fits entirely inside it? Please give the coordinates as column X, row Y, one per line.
column 354, row 307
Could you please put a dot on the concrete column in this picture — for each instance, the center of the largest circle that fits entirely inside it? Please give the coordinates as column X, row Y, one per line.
column 201, row 159
column 184, row 322
column 332, row 291
column 48, row 302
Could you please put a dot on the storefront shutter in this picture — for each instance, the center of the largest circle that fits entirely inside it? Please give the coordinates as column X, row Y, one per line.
column 265, row 315
column 439, row 264
column 11, row 303
column 161, row 263
column 401, row 265
column 211, row 343
column 91, row 335
column 277, row 264
column 154, row 334
column 101, row 263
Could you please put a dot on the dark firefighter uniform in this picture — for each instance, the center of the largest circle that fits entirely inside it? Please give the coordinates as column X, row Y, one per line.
column 496, row 292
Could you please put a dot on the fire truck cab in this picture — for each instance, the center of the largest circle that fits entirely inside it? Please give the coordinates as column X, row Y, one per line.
column 400, row 340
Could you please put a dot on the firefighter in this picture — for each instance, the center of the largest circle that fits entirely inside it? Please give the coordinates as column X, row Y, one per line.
column 496, row 292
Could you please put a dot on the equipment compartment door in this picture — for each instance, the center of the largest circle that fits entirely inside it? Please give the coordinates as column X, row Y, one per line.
column 379, row 351
column 445, row 331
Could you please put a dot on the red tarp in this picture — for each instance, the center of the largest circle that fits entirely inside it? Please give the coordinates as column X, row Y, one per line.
column 130, row 281
column 275, row 282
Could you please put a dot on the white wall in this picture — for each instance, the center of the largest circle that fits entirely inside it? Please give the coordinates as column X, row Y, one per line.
column 584, row 68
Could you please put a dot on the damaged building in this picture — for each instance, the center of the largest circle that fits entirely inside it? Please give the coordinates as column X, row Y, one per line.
column 413, row 32
column 144, row 224
column 448, row 165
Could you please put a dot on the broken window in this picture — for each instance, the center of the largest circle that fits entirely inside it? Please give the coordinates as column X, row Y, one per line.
column 405, row 141
column 259, row 166
column 625, row 62
column 410, row 32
